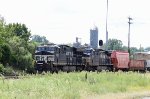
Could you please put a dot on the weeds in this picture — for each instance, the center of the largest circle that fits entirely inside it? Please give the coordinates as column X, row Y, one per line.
column 73, row 85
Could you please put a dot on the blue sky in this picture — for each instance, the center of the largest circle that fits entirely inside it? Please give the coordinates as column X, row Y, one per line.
column 63, row 20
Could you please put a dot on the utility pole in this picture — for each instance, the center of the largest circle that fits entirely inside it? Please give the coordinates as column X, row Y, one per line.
column 129, row 33
column 106, row 47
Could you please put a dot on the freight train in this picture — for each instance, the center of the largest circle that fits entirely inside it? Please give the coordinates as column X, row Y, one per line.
column 66, row 58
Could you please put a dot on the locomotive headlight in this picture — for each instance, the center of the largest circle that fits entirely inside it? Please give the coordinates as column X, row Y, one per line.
column 37, row 58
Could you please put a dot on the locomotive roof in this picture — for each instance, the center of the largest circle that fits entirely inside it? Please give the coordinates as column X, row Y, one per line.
column 142, row 53
column 104, row 50
column 64, row 45
column 54, row 45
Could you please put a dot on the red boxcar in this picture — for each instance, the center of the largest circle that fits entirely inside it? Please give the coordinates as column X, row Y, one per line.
column 137, row 64
column 120, row 60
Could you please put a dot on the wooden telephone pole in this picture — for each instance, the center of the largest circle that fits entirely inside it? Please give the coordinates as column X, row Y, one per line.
column 106, row 47
column 129, row 33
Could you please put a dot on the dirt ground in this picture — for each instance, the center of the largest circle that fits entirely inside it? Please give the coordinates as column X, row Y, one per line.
column 132, row 95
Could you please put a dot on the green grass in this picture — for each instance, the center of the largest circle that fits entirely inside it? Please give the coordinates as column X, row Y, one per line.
column 72, row 85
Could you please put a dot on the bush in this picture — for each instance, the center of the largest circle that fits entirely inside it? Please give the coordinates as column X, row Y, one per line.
column 8, row 71
column 6, row 54
column 1, row 68
column 25, row 61
column 30, row 68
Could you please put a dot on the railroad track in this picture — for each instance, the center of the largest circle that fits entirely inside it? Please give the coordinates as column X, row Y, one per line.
column 11, row 76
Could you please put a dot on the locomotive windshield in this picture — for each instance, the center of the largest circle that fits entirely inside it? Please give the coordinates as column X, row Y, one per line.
column 50, row 49
column 88, row 51
column 40, row 49
column 45, row 48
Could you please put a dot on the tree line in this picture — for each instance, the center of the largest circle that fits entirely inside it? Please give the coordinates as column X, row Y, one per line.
column 17, row 46
column 115, row 44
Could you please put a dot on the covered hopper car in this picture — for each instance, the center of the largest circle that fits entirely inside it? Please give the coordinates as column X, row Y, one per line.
column 120, row 60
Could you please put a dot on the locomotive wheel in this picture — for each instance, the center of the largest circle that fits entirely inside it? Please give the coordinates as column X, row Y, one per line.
column 72, row 68
column 110, row 69
column 65, row 68
column 99, row 69
column 55, row 69
column 52, row 69
column 79, row 68
column 87, row 68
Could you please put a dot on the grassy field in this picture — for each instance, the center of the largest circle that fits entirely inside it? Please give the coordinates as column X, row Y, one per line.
column 76, row 86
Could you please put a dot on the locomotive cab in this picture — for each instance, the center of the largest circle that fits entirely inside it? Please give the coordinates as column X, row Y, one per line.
column 45, row 56
column 87, row 56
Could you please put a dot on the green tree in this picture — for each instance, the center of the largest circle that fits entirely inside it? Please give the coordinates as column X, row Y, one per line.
column 147, row 48
column 31, row 47
column 114, row 44
column 6, row 53
column 15, row 48
column 125, row 48
column 18, row 50
column 2, row 32
column 39, row 39
column 133, row 50
column 17, row 29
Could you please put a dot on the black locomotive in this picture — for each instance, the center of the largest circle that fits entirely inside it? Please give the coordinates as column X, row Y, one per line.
column 97, row 59
column 66, row 58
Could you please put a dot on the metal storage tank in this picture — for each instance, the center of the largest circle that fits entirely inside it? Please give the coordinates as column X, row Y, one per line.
column 94, row 37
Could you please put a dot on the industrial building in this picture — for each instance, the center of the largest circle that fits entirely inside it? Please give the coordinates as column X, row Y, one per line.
column 94, row 37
